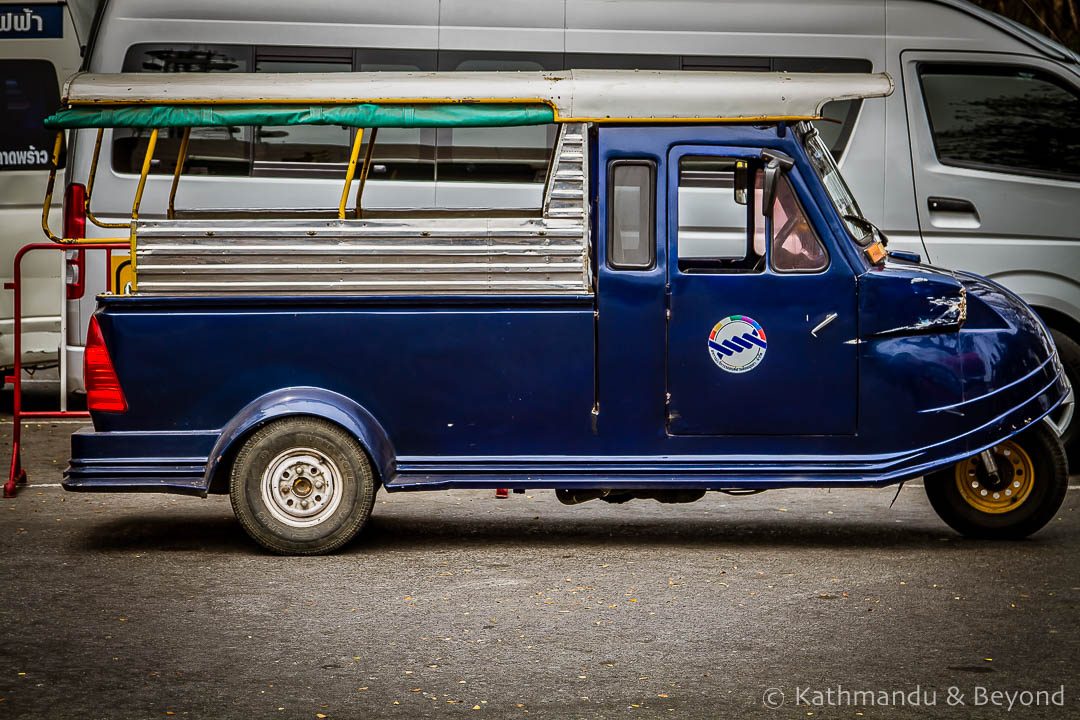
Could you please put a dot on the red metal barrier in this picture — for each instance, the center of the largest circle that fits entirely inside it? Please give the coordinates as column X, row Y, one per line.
column 18, row 474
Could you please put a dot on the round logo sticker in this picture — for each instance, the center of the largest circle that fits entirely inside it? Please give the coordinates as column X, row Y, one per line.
column 737, row 344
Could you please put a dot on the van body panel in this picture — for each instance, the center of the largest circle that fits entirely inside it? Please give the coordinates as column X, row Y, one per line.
column 273, row 22
column 533, row 25
column 21, row 191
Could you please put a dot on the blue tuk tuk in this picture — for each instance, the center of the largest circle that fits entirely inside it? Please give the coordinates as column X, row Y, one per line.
column 695, row 304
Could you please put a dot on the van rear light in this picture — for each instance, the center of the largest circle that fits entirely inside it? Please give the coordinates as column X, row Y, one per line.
column 75, row 272
column 75, row 211
column 103, row 391
column 75, row 227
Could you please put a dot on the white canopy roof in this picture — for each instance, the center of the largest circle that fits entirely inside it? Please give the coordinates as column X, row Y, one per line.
column 575, row 95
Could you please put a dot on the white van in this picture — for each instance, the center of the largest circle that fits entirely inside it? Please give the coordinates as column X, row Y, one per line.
column 40, row 46
column 974, row 162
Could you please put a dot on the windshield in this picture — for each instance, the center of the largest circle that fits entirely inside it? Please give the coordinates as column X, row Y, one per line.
column 824, row 165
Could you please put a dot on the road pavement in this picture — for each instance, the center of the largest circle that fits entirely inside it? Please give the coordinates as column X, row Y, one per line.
column 455, row 603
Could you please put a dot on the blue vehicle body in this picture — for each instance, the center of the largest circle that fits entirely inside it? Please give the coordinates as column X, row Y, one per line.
column 616, row 389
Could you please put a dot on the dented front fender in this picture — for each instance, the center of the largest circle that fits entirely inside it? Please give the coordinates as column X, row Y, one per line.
column 903, row 299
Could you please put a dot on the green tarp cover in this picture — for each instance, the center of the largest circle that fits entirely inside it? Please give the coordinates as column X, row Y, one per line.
column 366, row 115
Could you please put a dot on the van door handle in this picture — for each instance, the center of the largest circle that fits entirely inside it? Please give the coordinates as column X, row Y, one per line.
column 821, row 325
column 956, row 205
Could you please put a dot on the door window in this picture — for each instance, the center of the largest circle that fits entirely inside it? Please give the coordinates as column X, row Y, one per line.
column 715, row 217
column 795, row 246
column 1003, row 119
column 29, row 95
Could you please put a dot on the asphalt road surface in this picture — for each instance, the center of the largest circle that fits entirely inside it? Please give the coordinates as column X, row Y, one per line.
column 455, row 603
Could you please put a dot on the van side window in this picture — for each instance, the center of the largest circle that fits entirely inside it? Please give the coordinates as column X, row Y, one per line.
column 488, row 155
column 496, row 155
column 213, row 150
column 631, row 212
column 795, row 246
column 1002, row 118
column 400, row 153
column 838, row 117
column 29, row 94
column 716, row 233
column 304, row 150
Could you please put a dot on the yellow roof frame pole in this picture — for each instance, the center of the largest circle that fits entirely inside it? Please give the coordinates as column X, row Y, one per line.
column 47, row 205
column 350, row 172
column 180, row 160
column 364, row 171
column 90, row 186
column 150, row 145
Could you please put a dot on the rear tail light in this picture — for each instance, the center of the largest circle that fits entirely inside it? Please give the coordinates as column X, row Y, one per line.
column 75, row 227
column 103, row 391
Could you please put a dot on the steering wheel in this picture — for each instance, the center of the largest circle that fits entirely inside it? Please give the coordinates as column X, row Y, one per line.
column 788, row 225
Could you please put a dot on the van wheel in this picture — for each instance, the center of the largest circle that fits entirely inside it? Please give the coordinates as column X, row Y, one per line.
column 1030, row 487
column 1065, row 416
column 302, row 486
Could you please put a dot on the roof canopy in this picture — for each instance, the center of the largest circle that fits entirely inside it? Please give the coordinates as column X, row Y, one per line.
column 366, row 115
column 572, row 95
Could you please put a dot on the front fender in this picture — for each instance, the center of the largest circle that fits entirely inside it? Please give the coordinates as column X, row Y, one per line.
column 1044, row 290
column 312, row 401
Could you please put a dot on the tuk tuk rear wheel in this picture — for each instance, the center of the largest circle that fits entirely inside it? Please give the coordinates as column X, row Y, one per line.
column 1029, row 488
column 302, row 486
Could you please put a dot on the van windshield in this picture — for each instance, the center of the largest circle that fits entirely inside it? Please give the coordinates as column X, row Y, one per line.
column 825, row 167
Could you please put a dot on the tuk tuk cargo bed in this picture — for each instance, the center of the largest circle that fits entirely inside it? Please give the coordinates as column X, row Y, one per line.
column 407, row 252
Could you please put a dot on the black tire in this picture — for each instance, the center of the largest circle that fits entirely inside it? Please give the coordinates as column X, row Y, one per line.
column 1049, row 481
column 302, row 460
column 1069, row 352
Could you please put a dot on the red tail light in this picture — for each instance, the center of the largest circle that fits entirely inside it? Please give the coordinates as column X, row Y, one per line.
column 75, row 227
column 75, row 211
column 103, row 391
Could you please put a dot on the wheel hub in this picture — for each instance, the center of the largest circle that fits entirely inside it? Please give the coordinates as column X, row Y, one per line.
column 301, row 487
column 1003, row 493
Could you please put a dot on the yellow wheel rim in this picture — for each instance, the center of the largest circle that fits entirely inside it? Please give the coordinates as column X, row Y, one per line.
column 1016, row 476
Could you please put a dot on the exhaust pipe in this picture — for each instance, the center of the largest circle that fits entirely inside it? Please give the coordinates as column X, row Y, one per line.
column 576, row 497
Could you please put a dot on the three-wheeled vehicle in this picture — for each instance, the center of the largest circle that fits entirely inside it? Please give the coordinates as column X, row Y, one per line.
column 695, row 303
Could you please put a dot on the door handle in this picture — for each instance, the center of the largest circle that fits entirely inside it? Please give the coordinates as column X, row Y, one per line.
column 956, row 205
column 821, row 325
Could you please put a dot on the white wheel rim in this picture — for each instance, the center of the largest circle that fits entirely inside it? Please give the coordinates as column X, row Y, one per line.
column 301, row 487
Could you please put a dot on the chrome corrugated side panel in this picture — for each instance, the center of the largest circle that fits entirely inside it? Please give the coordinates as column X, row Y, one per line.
column 547, row 254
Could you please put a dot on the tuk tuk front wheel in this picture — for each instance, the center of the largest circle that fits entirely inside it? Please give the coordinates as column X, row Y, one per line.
column 1024, row 494
column 302, row 486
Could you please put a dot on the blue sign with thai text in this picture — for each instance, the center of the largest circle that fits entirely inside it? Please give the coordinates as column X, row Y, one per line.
column 32, row 21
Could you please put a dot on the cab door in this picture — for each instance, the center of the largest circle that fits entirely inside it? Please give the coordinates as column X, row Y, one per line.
column 762, row 309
